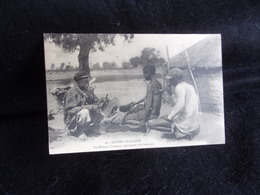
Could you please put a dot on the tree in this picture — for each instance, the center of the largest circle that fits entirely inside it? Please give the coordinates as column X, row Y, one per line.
column 151, row 56
column 126, row 65
column 148, row 56
column 85, row 43
column 148, row 53
column 52, row 66
column 62, row 65
column 135, row 61
column 113, row 65
column 96, row 66
column 68, row 68
column 109, row 65
column 106, row 65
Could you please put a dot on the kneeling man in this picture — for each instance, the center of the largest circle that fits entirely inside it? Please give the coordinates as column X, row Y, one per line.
column 81, row 110
column 183, row 119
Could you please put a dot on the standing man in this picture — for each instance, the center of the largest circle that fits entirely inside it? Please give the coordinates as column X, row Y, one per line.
column 152, row 101
column 183, row 119
column 81, row 110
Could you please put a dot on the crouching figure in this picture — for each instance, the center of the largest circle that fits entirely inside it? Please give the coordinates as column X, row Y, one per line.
column 81, row 107
column 182, row 121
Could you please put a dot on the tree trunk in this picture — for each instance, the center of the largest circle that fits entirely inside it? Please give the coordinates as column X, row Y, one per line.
column 83, row 56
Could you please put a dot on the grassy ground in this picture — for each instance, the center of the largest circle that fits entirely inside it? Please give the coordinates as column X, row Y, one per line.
column 212, row 125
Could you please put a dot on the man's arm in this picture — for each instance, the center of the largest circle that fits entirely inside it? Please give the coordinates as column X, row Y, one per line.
column 71, row 104
column 138, row 102
column 96, row 99
column 92, row 94
column 180, row 103
column 95, row 105
column 90, row 107
column 148, row 103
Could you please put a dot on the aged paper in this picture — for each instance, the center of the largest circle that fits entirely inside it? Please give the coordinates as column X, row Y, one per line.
column 182, row 101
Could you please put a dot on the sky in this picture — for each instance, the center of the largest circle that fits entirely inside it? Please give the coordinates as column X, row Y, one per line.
column 123, row 51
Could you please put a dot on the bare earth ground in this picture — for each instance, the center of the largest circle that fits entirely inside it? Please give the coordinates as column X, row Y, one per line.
column 211, row 125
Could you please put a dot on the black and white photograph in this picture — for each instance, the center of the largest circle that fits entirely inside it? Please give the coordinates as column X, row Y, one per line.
column 133, row 91
column 130, row 97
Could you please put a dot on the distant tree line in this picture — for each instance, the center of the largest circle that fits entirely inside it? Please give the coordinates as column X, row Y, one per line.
column 62, row 68
column 105, row 66
column 149, row 56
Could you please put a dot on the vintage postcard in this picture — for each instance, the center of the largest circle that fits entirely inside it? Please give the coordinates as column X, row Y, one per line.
column 133, row 91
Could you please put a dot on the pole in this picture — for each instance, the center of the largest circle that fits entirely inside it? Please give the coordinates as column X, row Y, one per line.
column 166, row 66
column 192, row 76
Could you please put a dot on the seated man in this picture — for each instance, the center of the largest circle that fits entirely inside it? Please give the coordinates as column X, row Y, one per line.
column 152, row 101
column 183, row 119
column 81, row 110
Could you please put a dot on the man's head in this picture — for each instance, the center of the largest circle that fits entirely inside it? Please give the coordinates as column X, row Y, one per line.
column 148, row 71
column 174, row 76
column 82, row 79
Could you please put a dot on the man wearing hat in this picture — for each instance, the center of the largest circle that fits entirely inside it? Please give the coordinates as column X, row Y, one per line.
column 183, row 119
column 81, row 110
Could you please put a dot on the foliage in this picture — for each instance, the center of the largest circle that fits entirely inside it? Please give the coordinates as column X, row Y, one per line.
column 71, row 42
column 126, row 65
column 62, row 65
column 52, row 66
column 62, row 68
column 96, row 66
column 136, row 61
column 68, row 68
column 109, row 65
column 148, row 56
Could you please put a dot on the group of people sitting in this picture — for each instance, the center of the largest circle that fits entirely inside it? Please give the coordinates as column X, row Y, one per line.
column 83, row 116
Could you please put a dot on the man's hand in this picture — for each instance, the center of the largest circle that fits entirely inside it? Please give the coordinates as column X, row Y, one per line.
column 169, row 117
column 138, row 107
column 102, row 101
